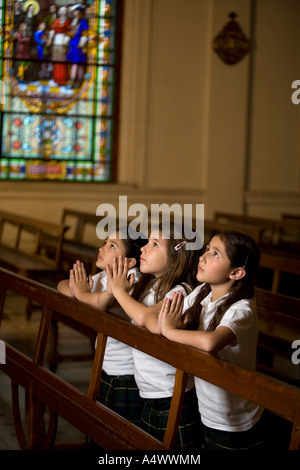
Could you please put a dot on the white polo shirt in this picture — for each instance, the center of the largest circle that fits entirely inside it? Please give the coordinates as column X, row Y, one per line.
column 118, row 358
column 155, row 378
column 219, row 408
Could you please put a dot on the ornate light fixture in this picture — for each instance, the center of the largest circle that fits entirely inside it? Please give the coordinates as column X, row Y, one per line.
column 231, row 44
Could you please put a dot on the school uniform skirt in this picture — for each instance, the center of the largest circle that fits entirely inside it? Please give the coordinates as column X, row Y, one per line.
column 155, row 417
column 255, row 438
column 121, row 394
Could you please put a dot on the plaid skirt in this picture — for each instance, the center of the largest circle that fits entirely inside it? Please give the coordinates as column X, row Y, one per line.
column 255, row 438
column 155, row 417
column 121, row 394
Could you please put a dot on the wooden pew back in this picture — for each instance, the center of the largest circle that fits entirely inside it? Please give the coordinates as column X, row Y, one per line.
column 280, row 267
column 93, row 419
column 293, row 217
column 283, row 233
column 80, row 222
column 212, row 227
column 279, row 327
column 20, row 235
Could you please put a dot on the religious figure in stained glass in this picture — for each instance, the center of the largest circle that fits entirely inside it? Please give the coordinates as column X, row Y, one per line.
column 58, row 66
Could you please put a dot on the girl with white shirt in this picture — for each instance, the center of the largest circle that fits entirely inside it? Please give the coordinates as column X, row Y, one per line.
column 118, row 389
column 224, row 308
column 166, row 266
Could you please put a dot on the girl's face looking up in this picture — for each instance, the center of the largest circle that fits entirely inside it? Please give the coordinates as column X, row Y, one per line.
column 154, row 255
column 113, row 248
column 214, row 265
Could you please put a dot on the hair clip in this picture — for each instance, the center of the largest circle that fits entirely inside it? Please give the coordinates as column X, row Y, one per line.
column 246, row 261
column 180, row 245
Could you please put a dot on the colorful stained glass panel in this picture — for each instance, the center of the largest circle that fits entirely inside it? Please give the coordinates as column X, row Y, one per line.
column 59, row 72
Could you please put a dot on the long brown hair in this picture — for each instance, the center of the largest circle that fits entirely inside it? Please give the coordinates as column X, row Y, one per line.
column 242, row 251
column 181, row 268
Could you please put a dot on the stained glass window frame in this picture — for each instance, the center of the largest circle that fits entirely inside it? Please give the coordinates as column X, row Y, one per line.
column 68, row 132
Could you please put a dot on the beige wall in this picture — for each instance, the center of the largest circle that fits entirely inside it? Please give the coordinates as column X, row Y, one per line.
column 274, row 170
column 192, row 129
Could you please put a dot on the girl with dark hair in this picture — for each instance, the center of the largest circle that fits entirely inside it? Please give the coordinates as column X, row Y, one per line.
column 118, row 390
column 166, row 266
column 222, row 315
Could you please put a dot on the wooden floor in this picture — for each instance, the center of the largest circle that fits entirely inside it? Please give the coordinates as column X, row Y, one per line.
column 21, row 333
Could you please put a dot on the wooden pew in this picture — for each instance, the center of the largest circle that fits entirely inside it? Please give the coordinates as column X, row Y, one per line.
column 291, row 217
column 280, row 234
column 77, row 244
column 279, row 326
column 212, row 227
column 21, row 248
column 20, row 244
column 55, row 356
column 280, row 267
column 82, row 410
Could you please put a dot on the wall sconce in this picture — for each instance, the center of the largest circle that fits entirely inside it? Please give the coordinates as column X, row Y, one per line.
column 231, row 44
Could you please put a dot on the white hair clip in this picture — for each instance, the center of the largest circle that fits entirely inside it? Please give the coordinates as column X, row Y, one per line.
column 180, row 245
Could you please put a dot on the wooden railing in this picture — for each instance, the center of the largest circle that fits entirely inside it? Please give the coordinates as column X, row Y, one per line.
column 102, row 425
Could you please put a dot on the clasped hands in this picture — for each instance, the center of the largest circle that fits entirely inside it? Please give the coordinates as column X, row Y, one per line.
column 170, row 315
column 117, row 276
column 79, row 282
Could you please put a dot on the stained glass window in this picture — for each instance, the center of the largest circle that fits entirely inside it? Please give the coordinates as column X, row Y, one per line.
column 59, row 77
